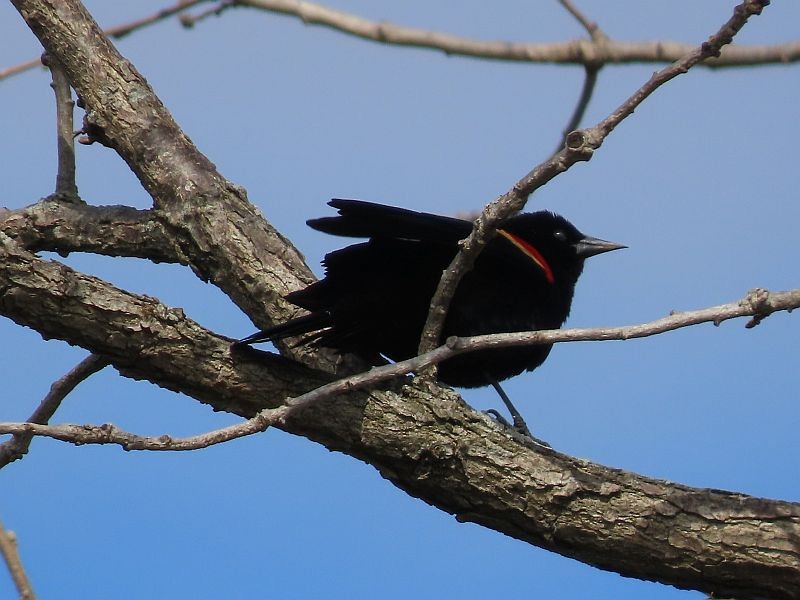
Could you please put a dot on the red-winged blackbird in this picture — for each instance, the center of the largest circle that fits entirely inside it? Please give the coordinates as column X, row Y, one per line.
column 375, row 296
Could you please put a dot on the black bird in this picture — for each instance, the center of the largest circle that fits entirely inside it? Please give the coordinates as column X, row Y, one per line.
column 375, row 296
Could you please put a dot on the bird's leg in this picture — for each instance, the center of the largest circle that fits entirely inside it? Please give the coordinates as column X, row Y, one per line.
column 519, row 423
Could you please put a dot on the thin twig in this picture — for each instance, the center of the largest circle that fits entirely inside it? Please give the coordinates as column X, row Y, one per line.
column 20, row 68
column 66, row 189
column 120, row 31
column 591, row 27
column 116, row 32
column 589, row 83
column 8, row 548
column 189, row 21
column 758, row 303
column 580, row 147
column 17, row 446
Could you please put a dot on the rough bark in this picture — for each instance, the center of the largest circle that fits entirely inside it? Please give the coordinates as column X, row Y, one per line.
column 421, row 437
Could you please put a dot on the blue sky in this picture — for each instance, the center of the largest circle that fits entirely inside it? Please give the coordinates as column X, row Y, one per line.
column 701, row 183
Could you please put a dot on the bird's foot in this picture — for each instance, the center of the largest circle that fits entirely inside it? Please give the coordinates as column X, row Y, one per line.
column 519, row 426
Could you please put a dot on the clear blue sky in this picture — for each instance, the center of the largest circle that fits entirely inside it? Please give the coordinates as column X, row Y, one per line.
column 701, row 183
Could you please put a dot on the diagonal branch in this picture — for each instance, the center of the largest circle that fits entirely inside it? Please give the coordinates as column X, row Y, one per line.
column 221, row 235
column 427, row 442
column 580, row 147
column 8, row 548
column 590, row 26
column 758, row 303
column 116, row 32
column 17, row 447
column 420, row 437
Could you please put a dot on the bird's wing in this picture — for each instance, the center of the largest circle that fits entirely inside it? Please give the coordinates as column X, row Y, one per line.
column 369, row 220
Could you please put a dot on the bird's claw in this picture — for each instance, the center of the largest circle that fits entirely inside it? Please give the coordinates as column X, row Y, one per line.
column 519, row 426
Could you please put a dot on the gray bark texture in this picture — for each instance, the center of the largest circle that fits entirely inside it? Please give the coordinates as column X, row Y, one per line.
column 419, row 436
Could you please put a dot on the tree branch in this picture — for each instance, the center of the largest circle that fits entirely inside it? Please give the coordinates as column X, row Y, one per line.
column 17, row 447
column 589, row 83
column 758, row 303
column 138, row 335
column 427, row 442
column 579, row 147
column 590, row 26
column 66, row 189
column 8, row 548
column 107, row 230
column 116, row 32
column 575, row 52
column 222, row 237
column 419, row 436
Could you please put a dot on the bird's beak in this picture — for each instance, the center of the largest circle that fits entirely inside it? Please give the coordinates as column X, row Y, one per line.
column 589, row 246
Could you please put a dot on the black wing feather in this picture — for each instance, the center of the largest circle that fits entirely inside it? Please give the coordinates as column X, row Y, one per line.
column 369, row 220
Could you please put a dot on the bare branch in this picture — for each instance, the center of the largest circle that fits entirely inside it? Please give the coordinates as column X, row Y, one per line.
column 418, row 436
column 17, row 447
column 758, row 303
column 223, row 237
column 591, row 27
column 576, row 52
column 20, row 68
column 190, row 21
column 111, row 434
column 589, row 83
column 478, row 472
column 66, row 189
column 106, row 230
column 8, row 547
column 140, row 336
column 116, row 32
column 120, row 31
column 580, row 147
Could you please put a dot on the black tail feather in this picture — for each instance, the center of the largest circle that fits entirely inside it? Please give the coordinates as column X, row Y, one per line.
column 292, row 328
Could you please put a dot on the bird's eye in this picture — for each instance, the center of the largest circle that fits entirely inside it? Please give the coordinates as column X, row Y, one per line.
column 560, row 235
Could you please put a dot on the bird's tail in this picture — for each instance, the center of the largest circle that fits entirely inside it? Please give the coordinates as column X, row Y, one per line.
column 313, row 322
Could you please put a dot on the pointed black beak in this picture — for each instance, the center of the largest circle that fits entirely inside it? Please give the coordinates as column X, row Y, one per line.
column 589, row 246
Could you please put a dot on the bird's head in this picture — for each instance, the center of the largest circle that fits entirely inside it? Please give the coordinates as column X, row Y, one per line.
column 554, row 244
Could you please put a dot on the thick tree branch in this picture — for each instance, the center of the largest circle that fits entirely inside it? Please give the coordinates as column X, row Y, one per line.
column 576, row 52
column 758, row 303
column 138, row 335
column 107, row 230
column 430, row 444
column 419, row 436
column 579, row 147
column 222, row 237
